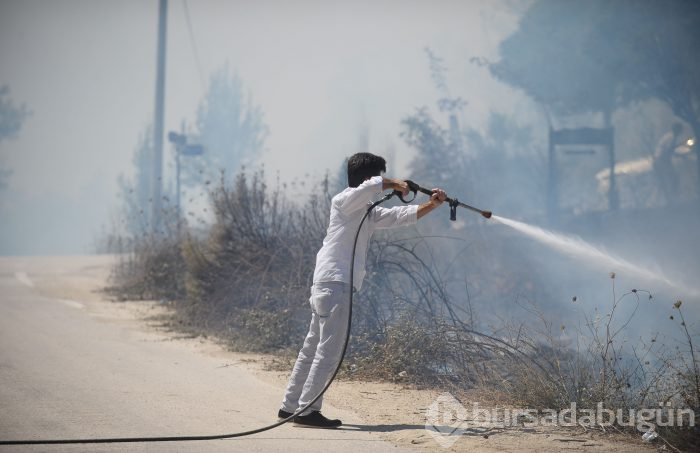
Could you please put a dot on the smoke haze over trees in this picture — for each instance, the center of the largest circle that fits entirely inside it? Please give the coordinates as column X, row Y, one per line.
column 231, row 128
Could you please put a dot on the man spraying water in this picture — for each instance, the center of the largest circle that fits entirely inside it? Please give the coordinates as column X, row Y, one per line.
column 335, row 277
column 331, row 283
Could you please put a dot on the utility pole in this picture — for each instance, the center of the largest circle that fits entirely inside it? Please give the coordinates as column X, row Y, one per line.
column 158, row 118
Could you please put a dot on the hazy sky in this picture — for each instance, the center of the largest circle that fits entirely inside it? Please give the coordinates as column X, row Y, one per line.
column 319, row 70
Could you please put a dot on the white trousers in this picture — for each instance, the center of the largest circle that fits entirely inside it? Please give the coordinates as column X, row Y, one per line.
column 320, row 354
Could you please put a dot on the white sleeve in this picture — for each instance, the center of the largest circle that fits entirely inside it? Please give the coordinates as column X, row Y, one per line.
column 358, row 197
column 395, row 217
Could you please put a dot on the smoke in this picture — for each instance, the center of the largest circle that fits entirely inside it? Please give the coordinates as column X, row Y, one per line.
column 594, row 255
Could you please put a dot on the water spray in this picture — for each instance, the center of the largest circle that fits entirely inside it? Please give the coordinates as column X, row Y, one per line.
column 571, row 245
column 575, row 246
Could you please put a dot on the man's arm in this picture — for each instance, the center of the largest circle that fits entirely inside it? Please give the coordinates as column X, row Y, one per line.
column 358, row 198
column 436, row 200
column 405, row 215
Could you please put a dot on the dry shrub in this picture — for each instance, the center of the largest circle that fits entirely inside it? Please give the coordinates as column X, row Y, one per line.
column 149, row 269
column 607, row 367
column 246, row 280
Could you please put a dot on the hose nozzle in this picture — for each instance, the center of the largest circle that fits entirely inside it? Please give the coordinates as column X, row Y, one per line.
column 454, row 203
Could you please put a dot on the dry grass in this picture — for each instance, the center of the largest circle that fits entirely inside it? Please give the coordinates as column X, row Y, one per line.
column 246, row 279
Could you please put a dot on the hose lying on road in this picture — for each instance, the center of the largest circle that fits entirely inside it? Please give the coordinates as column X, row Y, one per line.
column 108, row 440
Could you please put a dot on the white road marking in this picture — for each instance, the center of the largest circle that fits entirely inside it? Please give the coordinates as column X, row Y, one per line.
column 24, row 279
column 72, row 303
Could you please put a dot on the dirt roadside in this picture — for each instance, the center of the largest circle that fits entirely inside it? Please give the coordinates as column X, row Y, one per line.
column 398, row 412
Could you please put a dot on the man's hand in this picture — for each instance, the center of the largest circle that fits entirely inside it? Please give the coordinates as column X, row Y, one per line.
column 395, row 184
column 438, row 197
column 402, row 187
column 436, row 200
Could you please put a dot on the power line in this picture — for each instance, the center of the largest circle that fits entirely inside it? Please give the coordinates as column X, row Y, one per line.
column 194, row 47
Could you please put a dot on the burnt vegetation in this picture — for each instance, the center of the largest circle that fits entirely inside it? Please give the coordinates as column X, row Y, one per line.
column 245, row 281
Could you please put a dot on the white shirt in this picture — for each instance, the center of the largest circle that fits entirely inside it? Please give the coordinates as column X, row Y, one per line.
column 347, row 210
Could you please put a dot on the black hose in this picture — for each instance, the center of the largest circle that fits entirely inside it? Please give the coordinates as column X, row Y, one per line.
column 242, row 433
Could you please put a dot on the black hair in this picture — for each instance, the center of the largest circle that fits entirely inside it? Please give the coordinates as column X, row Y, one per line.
column 363, row 165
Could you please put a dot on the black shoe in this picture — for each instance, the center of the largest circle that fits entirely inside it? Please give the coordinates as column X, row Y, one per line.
column 282, row 414
column 316, row 420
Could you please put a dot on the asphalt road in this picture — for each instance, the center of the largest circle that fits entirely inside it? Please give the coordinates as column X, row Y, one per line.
column 68, row 372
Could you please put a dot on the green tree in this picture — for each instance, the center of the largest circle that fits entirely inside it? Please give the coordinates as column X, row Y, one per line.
column 11, row 119
column 230, row 127
column 550, row 58
column 654, row 53
column 586, row 56
column 581, row 56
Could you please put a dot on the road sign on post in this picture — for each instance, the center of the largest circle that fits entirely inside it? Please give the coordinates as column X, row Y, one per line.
column 579, row 136
column 192, row 150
